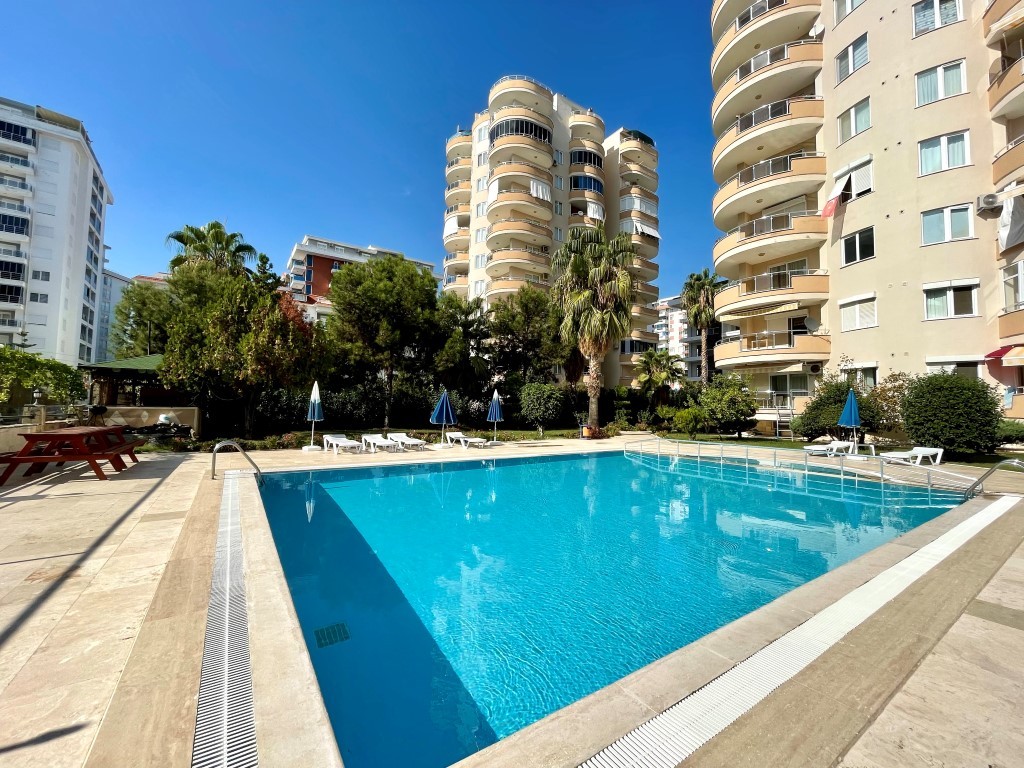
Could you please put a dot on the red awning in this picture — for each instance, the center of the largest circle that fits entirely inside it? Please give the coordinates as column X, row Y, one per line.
column 999, row 353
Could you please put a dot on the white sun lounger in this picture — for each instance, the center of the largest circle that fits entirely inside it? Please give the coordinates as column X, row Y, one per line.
column 464, row 441
column 915, row 455
column 336, row 442
column 404, row 441
column 373, row 442
column 831, row 449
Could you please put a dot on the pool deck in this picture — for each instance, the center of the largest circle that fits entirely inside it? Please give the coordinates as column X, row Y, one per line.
column 104, row 589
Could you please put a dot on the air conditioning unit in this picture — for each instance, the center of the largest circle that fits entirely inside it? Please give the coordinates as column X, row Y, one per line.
column 814, row 368
column 989, row 202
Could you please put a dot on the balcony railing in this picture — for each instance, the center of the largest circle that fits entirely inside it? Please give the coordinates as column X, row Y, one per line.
column 771, row 167
column 522, row 248
column 18, row 207
column 9, row 322
column 767, row 340
column 780, row 222
column 455, row 257
column 12, row 136
column 768, row 112
column 496, row 166
column 766, row 59
column 776, row 400
column 519, row 220
column 1016, row 142
column 458, row 161
column 14, row 160
column 527, row 78
column 12, row 298
column 769, row 281
column 13, row 253
column 748, row 14
column 1011, row 56
column 14, row 184
column 6, row 275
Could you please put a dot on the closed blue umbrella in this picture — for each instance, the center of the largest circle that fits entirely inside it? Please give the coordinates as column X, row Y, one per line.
column 443, row 413
column 314, row 414
column 851, row 414
column 494, row 413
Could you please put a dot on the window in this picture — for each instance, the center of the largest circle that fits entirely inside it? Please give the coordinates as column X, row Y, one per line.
column 861, row 182
column 481, row 133
column 558, row 207
column 858, row 313
column 941, row 83
column 967, row 370
column 558, row 157
column 859, row 246
column 41, row 298
column 481, row 208
column 558, row 234
column 481, row 159
column 481, row 184
column 585, row 157
column 932, row 14
column 867, row 377
column 852, row 58
column 309, row 275
column 479, row 235
column 845, row 7
column 480, row 261
column 1013, row 287
column 517, row 126
column 587, row 183
column 944, row 152
column 558, row 182
column 479, row 286
column 945, row 224
column 856, row 119
column 950, row 301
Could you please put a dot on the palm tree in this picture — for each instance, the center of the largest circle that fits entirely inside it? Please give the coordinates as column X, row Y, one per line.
column 699, row 304
column 658, row 370
column 594, row 290
column 211, row 243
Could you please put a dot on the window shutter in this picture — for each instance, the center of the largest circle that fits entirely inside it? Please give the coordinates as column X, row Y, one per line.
column 860, row 52
column 849, row 317
column 862, row 180
column 868, row 314
column 924, row 16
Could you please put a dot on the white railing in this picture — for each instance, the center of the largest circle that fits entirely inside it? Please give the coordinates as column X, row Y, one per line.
column 766, row 225
column 749, row 14
column 527, row 78
column 769, row 281
column 773, row 166
column 766, row 59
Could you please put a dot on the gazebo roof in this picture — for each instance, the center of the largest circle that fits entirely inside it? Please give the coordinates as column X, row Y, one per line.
column 144, row 364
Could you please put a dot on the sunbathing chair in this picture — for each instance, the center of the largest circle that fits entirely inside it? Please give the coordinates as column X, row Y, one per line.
column 831, row 449
column 915, row 455
column 373, row 442
column 464, row 441
column 404, row 441
column 336, row 442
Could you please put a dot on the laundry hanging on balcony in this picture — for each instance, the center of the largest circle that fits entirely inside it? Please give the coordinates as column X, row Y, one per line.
column 1011, row 221
column 595, row 211
column 540, row 189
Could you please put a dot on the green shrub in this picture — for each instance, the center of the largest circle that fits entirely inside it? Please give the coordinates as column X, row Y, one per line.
column 956, row 413
column 729, row 405
column 1010, row 431
column 821, row 415
column 541, row 404
column 691, row 421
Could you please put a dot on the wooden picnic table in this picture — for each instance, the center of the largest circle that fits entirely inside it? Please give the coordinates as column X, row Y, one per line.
column 71, row 444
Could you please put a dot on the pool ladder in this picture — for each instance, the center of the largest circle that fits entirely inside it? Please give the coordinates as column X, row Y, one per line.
column 241, row 450
column 979, row 484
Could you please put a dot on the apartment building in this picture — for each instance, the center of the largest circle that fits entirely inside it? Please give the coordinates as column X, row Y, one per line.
column 533, row 165
column 677, row 337
column 112, row 285
column 313, row 263
column 53, row 200
column 856, row 142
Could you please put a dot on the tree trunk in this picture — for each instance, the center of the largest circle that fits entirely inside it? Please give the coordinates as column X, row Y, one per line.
column 249, row 415
column 594, row 389
column 704, row 355
column 389, row 393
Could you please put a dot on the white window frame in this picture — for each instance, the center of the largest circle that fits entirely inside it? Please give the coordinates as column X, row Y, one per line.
column 862, row 299
column 481, row 132
column 944, row 152
column 558, row 234
column 847, row 53
column 559, row 182
column 937, row 18
column 940, row 72
column 558, row 157
column 1014, row 272
column 856, row 239
column 949, row 286
column 481, row 184
column 558, row 207
column 852, row 113
column 481, row 159
column 947, row 217
column 479, row 234
column 845, row 7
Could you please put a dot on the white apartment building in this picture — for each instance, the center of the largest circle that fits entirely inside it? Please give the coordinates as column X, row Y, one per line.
column 53, row 200
column 112, row 285
column 677, row 337
column 313, row 263
column 861, row 146
column 533, row 165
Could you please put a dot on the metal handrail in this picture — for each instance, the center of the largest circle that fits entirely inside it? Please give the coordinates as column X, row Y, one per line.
column 773, row 165
column 766, row 225
column 1009, row 146
column 527, row 78
column 241, row 450
column 770, row 281
column 771, row 56
column 752, row 14
column 979, row 484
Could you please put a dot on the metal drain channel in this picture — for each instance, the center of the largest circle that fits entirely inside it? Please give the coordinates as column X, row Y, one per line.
column 678, row 732
column 225, row 733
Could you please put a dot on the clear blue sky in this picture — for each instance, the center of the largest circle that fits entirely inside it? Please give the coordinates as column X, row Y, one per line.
column 330, row 117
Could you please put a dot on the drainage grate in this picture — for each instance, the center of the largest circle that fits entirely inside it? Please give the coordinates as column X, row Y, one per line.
column 225, row 733
column 669, row 738
column 332, row 635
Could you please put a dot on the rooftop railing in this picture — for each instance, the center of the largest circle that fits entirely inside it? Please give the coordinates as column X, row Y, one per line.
column 527, row 78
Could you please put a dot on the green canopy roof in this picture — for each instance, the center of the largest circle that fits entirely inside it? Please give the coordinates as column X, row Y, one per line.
column 144, row 363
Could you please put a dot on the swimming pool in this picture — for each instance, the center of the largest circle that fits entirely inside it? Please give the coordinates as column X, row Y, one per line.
column 446, row 606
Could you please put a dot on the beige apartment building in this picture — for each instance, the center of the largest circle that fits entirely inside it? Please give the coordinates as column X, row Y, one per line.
column 533, row 165
column 860, row 148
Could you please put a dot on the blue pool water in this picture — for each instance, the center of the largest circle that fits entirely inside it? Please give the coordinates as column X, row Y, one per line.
column 479, row 596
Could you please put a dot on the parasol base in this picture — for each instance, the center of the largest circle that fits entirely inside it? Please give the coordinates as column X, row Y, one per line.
column 307, row 448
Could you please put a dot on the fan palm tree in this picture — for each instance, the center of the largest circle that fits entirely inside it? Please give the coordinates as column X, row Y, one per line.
column 699, row 303
column 594, row 290
column 657, row 370
column 211, row 243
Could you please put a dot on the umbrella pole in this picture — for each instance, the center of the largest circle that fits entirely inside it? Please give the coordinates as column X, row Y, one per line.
column 312, row 431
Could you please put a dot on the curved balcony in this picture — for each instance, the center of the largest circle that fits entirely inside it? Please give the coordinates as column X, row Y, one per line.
column 460, row 145
column 456, row 263
column 509, row 148
column 580, row 220
column 637, row 148
column 771, row 75
column 15, row 188
column 769, row 238
column 587, row 144
column 773, row 347
column 519, row 172
column 643, row 218
column 643, row 314
column 646, row 246
column 629, row 359
column 586, row 125
column 501, row 234
column 585, row 195
column 459, row 169
column 504, row 287
column 1000, row 17
column 522, row 258
column 1006, row 87
column 642, row 334
column 770, row 292
column 457, row 240
column 459, row 209
column 456, row 284
column 761, row 25
column 1009, row 163
column 646, row 294
column 638, row 173
column 512, row 205
column 525, row 113
column 635, row 190
column 768, row 183
column 766, row 131
column 457, row 192
column 588, row 170
column 644, row 269
column 519, row 90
